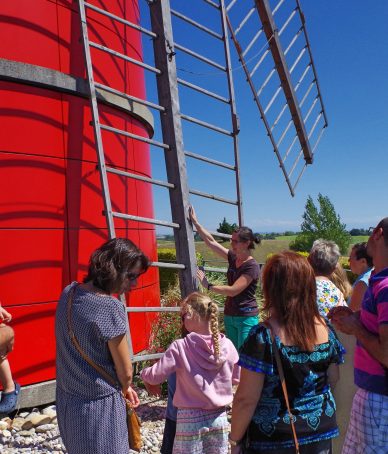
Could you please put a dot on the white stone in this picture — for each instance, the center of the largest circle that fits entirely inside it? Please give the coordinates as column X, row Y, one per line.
column 22, row 424
column 27, row 433
column 38, row 419
column 45, row 428
column 3, row 425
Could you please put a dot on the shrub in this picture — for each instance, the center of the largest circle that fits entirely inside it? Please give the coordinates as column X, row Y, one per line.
column 167, row 326
column 168, row 277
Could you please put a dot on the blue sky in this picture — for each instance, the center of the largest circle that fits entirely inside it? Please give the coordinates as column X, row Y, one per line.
column 350, row 50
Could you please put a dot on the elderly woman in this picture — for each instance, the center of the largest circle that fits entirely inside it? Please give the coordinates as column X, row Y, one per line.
column 91, row 410
column 361, row 264
column 309, row 352
column 323, row 258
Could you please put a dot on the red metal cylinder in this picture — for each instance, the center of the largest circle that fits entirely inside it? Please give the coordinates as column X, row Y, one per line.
column 50, row 194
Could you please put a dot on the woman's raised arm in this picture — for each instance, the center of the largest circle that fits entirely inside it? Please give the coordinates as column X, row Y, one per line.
column 207, row 237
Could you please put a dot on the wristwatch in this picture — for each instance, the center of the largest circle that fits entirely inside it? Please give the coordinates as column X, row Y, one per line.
column 209, row 286
column 233, row 443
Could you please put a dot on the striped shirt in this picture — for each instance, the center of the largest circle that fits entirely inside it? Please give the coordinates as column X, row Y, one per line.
column 370, row 374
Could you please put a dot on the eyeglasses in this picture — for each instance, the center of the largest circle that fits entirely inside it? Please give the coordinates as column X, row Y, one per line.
column 132, row 276
column 371, row 230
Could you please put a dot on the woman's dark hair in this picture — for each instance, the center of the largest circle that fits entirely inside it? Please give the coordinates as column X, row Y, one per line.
column 245, row 234
column 111, row 262
column 290, row 293
column 361, row 253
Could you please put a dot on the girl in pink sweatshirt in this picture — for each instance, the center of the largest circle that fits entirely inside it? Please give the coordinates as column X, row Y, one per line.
column 205, row 362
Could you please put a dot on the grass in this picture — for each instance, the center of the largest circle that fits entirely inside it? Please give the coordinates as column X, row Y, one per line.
column 288, row 238
column 359, row 239
column 260, row 253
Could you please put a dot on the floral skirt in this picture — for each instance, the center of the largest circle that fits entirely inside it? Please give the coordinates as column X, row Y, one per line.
column 201, row 432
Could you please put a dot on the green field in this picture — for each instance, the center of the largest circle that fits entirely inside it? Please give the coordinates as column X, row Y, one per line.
column 260, row 253
column 359, row 239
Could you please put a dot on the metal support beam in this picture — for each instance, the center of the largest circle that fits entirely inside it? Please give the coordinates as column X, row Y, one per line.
column 233, row 112
column 172, row 135
column 272, row 35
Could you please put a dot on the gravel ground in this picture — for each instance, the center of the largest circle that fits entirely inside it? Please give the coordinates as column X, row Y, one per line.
column 36, row 431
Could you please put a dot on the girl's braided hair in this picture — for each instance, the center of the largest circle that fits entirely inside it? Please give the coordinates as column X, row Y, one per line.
column 206, row 309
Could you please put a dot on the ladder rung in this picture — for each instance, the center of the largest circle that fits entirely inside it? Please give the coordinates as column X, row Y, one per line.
column 199, row 57
column 134, row 136
column 298, row 59
column 284, row 133
column 231, row 4
column 302, row 77
column 287, row 22
column 315, row 124
column 206, row 125
column 213, row 197
column 130, row 217
column 246, row 18
column 177, row 266
column 153, row 309
column 215, row 270
column 140, row 177
column 277, row 7
column 300, row 176
column 254, row 39
column 220, row 235
column 293, row 40
column 129, row 97
column 124, row 57
column 297, row 159
column 202, row 90
column 209, row 2
column 290, row 147
column 137, row 358
column 196, row 24
column 260, row 90
column 120, row 19
column 210, row 161
column 306, row 94
column 319, row 138
column 311, row 109
column 259, row 62
column 272, row 99
column 279, row 117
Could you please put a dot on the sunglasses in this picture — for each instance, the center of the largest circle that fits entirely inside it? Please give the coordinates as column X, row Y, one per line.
column 132, row 276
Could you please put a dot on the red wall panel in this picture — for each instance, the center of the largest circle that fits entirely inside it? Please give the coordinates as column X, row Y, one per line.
column 33, row 358
column 51, row 204
column 32, row 265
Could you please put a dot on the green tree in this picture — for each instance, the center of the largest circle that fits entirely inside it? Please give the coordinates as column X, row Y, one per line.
column 226, row 227
column 321, row 222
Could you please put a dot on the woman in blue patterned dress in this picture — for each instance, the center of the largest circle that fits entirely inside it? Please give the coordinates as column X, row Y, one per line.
column 309, row 352
column 91, row 411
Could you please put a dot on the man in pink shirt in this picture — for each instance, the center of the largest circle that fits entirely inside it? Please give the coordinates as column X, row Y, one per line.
column 368, row 425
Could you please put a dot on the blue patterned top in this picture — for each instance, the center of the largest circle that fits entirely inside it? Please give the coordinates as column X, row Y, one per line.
column 312, row 403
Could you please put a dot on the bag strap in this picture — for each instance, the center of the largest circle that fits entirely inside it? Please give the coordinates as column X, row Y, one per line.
column 284, row 386
column 77, row 345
